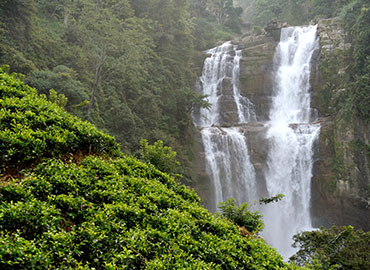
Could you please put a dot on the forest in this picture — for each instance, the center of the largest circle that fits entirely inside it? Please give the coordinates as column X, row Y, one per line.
column 109, row 58
column 96, row 133
column 129, row 67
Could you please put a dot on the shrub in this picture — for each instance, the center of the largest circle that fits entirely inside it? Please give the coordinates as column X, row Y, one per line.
column 118, row 213
column 32, row 128
column 252, row 221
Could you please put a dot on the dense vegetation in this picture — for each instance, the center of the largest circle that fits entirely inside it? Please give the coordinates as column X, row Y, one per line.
column 31, row 129
column 295, row 12
column 100, row 209
column 240, row 215
column 70, row 198
column 127, row 66
column 80, row 203
column 333, row 248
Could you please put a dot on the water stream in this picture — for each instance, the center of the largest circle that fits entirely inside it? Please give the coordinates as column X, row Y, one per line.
column 291, row 138
column 226, row 151
column 290, row 135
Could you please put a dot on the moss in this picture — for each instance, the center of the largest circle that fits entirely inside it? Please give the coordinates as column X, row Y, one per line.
column 332, row 91
column 361, row 146
column 331, row 186
column 339, row 166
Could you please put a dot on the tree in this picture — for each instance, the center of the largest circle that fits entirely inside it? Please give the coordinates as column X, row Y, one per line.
column 357, row 18
column 52, row 8
column 17, row 16
column 340, row 247
column 276, row 198
column 116, row 44
column 58, row 99
column 199, row 8
column 102, row 38
column 224, row 11
column 63, row 79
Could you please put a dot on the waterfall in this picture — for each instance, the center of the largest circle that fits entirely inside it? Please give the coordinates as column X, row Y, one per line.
column 227, row 156
column 220, row 82
column 228, row 164
column 290, row 135
column 291, row 138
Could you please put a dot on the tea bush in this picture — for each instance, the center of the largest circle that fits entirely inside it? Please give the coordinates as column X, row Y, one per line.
column 101, row 211
column 32, row 128
column 101, row 215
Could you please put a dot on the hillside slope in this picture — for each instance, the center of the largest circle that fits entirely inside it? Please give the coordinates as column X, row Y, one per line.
column 70, row 199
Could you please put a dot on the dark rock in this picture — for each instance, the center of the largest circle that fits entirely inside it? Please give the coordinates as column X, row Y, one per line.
column 341, row 183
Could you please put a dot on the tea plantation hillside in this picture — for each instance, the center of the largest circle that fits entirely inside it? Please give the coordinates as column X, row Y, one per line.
column 70, row 200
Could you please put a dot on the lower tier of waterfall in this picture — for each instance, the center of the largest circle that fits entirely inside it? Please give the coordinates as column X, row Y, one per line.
column 258, row 160
column 289, row 172
column 228, row 164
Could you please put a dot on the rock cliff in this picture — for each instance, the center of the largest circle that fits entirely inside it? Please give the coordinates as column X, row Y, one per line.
column 341, row 182
column 255, row 70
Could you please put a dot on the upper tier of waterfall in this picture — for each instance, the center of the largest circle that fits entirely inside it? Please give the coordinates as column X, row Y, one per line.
column 292, row 100
column 220, row 83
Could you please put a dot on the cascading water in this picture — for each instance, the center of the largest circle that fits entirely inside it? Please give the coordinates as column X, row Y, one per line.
column 291, row 138
column 227, row 159
column 290, row 135
column 228, row 164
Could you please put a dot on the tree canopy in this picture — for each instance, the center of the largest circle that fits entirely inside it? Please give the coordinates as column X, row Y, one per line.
column 127, row 66
column 333, row 248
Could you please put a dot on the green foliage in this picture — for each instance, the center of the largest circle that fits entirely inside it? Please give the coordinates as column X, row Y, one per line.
column 121, row 213
column 333, row 248
column 63, row 79
column 17, row 16
column 295, row 12
column 126, row 66
column 101, row 212
column 225, row 13
column 58, row 99
column 362, row 64
column 241, row 216
column 15, row 59
column 362, row 96
column 271, row 199
column 32, row 128
column 162, row 157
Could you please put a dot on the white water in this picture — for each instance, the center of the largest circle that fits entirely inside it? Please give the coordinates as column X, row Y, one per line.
column 222, row 64
column 228, row 164
column 226, row 151
column 290, row 135
column 291, row 138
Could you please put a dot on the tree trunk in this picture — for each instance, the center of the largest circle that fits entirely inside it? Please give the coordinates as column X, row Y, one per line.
column 98, row 70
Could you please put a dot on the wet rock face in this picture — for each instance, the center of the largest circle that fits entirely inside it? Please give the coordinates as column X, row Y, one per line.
column 330, row 68
column 255, row 71
column 227, row 104
column 341, row 183
column 332, row 36
column 258, row 146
